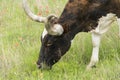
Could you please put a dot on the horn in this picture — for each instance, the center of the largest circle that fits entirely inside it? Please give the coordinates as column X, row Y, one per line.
column 31, row 15
column 52, row 26
column 52, row 29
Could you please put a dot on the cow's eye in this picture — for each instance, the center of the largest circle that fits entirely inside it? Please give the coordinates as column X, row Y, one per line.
column 48, row 44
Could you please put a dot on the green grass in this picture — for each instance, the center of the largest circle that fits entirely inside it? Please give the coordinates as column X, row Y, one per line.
column 20, row 44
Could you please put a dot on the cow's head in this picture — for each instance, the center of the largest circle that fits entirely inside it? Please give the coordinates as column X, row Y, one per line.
column 53, row 47
column 54, row 42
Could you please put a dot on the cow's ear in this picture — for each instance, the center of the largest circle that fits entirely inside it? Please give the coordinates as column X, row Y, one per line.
column 53, row 27
column 55, row 30
column 58, row 29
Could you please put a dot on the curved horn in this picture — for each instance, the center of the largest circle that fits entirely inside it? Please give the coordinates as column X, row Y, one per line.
column 31, row 15
column 51, row 27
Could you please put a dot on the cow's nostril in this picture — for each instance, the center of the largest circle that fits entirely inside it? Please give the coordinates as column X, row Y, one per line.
column 39, row 66
column 43, row 66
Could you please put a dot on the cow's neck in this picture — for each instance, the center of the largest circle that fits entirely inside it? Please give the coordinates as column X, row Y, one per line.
column 82, row 15
column 71, row 27
column 72, row 21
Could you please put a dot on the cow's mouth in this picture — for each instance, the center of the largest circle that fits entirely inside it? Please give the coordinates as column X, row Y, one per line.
column 44, row 66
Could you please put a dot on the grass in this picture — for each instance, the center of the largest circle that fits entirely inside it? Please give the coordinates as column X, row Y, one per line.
column 20, row 44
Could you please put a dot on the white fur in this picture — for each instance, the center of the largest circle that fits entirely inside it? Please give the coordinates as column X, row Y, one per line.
column 95, row 52
column 105, row 21
column 44, row 33
column 103, row 26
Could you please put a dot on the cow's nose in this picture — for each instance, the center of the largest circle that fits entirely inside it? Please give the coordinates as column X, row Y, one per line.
column 43, row 66
column 39, row 66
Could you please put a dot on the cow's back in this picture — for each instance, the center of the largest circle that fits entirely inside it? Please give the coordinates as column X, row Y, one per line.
column 86, row 13
column 114, row 7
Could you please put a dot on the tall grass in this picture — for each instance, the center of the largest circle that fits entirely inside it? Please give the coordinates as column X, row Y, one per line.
column 20, row 44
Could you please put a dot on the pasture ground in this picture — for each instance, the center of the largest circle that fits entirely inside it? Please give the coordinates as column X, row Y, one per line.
column 20, row 44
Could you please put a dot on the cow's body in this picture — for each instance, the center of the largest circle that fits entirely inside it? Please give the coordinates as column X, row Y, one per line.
column 86, row 13
column 93, row 16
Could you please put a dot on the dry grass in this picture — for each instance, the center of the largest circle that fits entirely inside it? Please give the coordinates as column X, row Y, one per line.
column 20, row 43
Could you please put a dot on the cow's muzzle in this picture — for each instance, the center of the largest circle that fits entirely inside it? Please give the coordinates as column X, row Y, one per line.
column 43, row 66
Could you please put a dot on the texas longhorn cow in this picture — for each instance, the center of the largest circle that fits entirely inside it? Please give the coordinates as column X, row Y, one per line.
column 93, row 16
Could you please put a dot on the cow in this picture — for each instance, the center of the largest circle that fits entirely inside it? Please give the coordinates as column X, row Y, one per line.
column 94, row 16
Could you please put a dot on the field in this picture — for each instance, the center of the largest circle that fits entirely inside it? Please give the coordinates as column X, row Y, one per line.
column 20, row 45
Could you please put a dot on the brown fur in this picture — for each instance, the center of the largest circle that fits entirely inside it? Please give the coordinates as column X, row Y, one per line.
column 77, row 16
column 85, row 13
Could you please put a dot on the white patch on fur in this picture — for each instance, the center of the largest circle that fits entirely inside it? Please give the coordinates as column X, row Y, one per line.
column 44, row 33
column 103, row 25
column 95, row 52
column 104, row 22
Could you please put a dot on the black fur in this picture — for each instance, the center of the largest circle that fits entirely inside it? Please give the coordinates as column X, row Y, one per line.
column 77, row 16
